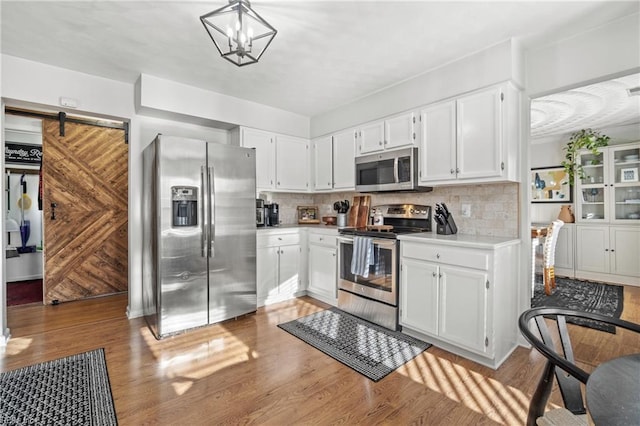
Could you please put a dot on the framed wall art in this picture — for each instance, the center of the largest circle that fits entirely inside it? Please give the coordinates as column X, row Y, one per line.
column 308, row 214
column 550, row 185
column 629, row 175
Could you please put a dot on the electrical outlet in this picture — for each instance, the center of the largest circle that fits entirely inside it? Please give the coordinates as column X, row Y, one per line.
column 465, row 209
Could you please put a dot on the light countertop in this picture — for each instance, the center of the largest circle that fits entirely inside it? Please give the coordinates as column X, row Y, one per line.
column 460, row 240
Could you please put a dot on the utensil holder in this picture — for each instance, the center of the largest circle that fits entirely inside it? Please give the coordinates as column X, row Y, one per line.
column 449, row 227
column 342, row 220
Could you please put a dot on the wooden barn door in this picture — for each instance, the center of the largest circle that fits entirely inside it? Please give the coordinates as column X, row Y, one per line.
column 85, row 182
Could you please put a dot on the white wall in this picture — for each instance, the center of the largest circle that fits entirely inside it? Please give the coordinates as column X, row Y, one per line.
column 498, row 63
column 606, row 52
column 159, row 96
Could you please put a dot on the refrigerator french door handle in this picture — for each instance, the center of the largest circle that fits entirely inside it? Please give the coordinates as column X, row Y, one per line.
column 395, row 170
column 203, row 235
column 212, row 212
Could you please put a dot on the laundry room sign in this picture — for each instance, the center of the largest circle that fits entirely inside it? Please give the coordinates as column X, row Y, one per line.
column 18, row 153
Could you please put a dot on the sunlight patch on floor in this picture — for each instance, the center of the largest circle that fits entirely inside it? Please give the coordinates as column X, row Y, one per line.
column 503, row 404
column 16, row 345
column 186, row 366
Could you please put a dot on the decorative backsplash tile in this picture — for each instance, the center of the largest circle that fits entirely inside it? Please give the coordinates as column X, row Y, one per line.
column 494, row 207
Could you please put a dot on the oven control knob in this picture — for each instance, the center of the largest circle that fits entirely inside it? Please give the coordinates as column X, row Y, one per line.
column 412, row 211
column 423, row 212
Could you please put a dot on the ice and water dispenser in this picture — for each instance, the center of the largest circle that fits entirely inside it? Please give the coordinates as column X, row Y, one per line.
column 184, row 201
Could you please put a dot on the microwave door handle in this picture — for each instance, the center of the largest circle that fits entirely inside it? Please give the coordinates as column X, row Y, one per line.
column 395, row 170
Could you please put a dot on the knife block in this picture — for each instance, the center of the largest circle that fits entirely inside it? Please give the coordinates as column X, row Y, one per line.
column 449, row 228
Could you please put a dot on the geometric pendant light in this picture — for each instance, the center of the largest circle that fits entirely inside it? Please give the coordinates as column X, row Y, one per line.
column 239, row 33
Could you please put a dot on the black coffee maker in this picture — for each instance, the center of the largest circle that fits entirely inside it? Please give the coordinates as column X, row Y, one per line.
column 272, row 214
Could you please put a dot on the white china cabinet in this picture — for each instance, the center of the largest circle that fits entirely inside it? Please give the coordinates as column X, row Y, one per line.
column 608, row 215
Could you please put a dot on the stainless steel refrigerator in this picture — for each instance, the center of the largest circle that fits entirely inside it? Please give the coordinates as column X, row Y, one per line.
column 199, row 233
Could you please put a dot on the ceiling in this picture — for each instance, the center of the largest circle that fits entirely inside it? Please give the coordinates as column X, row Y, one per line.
column 598, row 106
column 326, row 53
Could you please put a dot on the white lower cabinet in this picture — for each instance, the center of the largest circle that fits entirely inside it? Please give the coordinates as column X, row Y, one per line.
column 463, row 307
column 608, row 253
column 462, row 299
column 278, row 264
column 322, row 267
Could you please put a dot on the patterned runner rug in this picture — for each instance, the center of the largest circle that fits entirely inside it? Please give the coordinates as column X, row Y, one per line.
column 369, row 349
column 585, row 296
column 68, row 391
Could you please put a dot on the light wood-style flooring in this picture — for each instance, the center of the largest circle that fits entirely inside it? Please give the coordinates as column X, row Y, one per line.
column 248, row 371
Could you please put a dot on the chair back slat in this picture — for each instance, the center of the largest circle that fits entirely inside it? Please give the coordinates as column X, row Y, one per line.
column 569, row 385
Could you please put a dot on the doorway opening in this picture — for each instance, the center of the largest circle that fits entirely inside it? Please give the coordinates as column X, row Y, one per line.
column 72, row 243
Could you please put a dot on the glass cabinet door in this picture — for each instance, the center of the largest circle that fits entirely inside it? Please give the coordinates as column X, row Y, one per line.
column 625, row 185
column 592, row 197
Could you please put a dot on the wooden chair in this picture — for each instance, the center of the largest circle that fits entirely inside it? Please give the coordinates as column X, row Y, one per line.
column 549, row 253
column 560, row 357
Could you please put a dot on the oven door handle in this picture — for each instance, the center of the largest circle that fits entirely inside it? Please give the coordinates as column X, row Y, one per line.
column 387, row 244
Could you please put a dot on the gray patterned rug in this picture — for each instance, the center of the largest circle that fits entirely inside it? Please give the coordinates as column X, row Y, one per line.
column 586, row 296
column 369, row 349
column 68, row 391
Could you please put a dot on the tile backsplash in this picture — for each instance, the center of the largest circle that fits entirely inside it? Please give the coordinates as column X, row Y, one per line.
column 494, row 207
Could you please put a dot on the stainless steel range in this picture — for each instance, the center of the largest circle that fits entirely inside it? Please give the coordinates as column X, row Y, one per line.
column 368, row 261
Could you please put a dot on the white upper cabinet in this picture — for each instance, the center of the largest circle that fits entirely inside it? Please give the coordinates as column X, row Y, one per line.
column 479, row 149
column 438, row 150
column 282, row 162
column 264, row 144
column 323, row 163
column 399, row 131
column 394, row 132
column 471, row 139
column 344, row 168
column 333, row 159
column 292, row 163
column 371, row 137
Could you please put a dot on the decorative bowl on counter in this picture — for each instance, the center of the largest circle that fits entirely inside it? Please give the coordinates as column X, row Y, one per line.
column 329, row 220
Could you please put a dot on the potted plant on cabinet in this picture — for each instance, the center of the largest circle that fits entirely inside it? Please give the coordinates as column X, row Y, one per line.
column 582, row 139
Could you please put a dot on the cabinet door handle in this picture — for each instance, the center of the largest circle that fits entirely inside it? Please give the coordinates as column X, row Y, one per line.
column 53, row 211
column 452, row 171
column 612, row 250
column 606, row 249
column 438, row 256
column 433, row 273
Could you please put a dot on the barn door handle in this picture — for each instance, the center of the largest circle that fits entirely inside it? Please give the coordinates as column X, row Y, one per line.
column 53, row 211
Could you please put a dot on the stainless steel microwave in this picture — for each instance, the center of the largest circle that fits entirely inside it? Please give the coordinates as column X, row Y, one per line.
column 388, row 171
